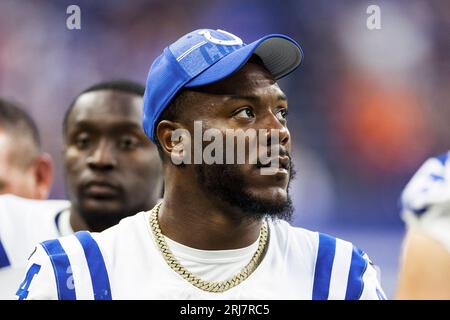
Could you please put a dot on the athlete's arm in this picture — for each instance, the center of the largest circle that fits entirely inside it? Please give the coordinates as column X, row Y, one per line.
column 424, row 268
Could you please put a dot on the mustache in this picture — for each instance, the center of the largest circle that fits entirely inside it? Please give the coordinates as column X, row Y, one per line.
column 284, row 152
column 283, row 157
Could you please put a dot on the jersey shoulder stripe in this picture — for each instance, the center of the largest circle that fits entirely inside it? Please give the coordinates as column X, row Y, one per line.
column 68, row 285
column 61, row 268
column 324, row 266
column 355, row 283
column 443, row 158
column 341, row 266
column 339, row 270
column 4, row 261
column 96, row 264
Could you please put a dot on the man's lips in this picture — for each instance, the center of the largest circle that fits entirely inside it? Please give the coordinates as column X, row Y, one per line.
column 284, row 162
column 100, row 189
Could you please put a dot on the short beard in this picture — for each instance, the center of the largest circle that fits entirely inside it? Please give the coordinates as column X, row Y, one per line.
column 227, row 183
column 98, row 221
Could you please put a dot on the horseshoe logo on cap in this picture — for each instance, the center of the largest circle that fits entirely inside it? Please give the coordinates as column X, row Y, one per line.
column 236, row 40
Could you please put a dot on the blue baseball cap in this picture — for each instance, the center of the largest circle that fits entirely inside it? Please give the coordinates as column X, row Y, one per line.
column 205, row 56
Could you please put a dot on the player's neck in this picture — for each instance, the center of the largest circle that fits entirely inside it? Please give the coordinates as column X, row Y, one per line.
column 76, row 222
column 191, row 218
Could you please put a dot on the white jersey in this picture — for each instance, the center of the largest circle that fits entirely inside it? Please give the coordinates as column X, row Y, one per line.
column 124, row 262
column 23, row 223
column 426, row 199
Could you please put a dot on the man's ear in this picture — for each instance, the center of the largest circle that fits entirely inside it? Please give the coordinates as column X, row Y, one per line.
column 43, row 170
column 174, row 140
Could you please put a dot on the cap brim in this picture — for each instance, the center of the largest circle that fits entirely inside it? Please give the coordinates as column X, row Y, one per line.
column 280, row 54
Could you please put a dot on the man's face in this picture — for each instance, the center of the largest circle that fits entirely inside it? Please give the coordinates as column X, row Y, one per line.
column 249, row 99
column 112, row 170
column 15, row 177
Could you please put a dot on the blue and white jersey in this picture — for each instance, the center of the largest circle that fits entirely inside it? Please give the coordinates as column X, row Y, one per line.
column 426, row 199
column 23, row 223
column 124, row 262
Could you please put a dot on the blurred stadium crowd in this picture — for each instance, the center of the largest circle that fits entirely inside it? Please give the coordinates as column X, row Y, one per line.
column 367, row 107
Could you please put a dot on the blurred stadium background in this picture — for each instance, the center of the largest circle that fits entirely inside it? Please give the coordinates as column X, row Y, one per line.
column 367, row 107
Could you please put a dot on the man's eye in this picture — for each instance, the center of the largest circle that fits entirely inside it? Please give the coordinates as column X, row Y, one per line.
column 128, row 143
column 82, row 141
column 282, row 114
column 245, row 113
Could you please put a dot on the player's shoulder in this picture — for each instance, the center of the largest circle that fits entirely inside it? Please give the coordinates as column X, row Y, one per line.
column 340, row 270
column 55, row 263
column 126, row 230
column 121, row 232
column 23, row 223
column 429, row 186
column 426, row 199
column 14, row 207
column 82, row 260
column 11, row 199
column 83, row 245
column 20, row 216
column 310, row 243
column 287, row 232
column 325, row 245
column 296, row 235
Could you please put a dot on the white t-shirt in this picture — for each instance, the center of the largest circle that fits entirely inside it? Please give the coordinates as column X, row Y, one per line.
column 124, row 262
column 426, row 199
column 23, row 223
column 212, row 265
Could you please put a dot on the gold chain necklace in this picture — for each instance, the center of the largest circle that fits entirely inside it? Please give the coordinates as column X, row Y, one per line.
column 210, row 286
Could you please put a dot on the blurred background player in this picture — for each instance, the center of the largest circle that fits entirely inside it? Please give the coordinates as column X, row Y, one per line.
column 27, row 172
column 425, row 261
column 111, row 170
column 24, row 169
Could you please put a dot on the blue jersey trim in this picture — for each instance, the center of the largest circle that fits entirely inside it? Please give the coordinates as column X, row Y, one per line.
column 443, row 158
column 324, row 265
column 61, row 269
column 355, row 284
column 57, row 217
column 97, row 267
column 4, row 261
column 23, row 292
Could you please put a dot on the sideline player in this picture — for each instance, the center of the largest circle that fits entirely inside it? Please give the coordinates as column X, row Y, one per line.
column 24, row 169
column 111, row 171
column 218, row 233
column 425, row 263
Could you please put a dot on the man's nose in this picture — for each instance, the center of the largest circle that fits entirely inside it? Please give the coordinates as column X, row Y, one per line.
column 273, row 123
column 103, row 157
